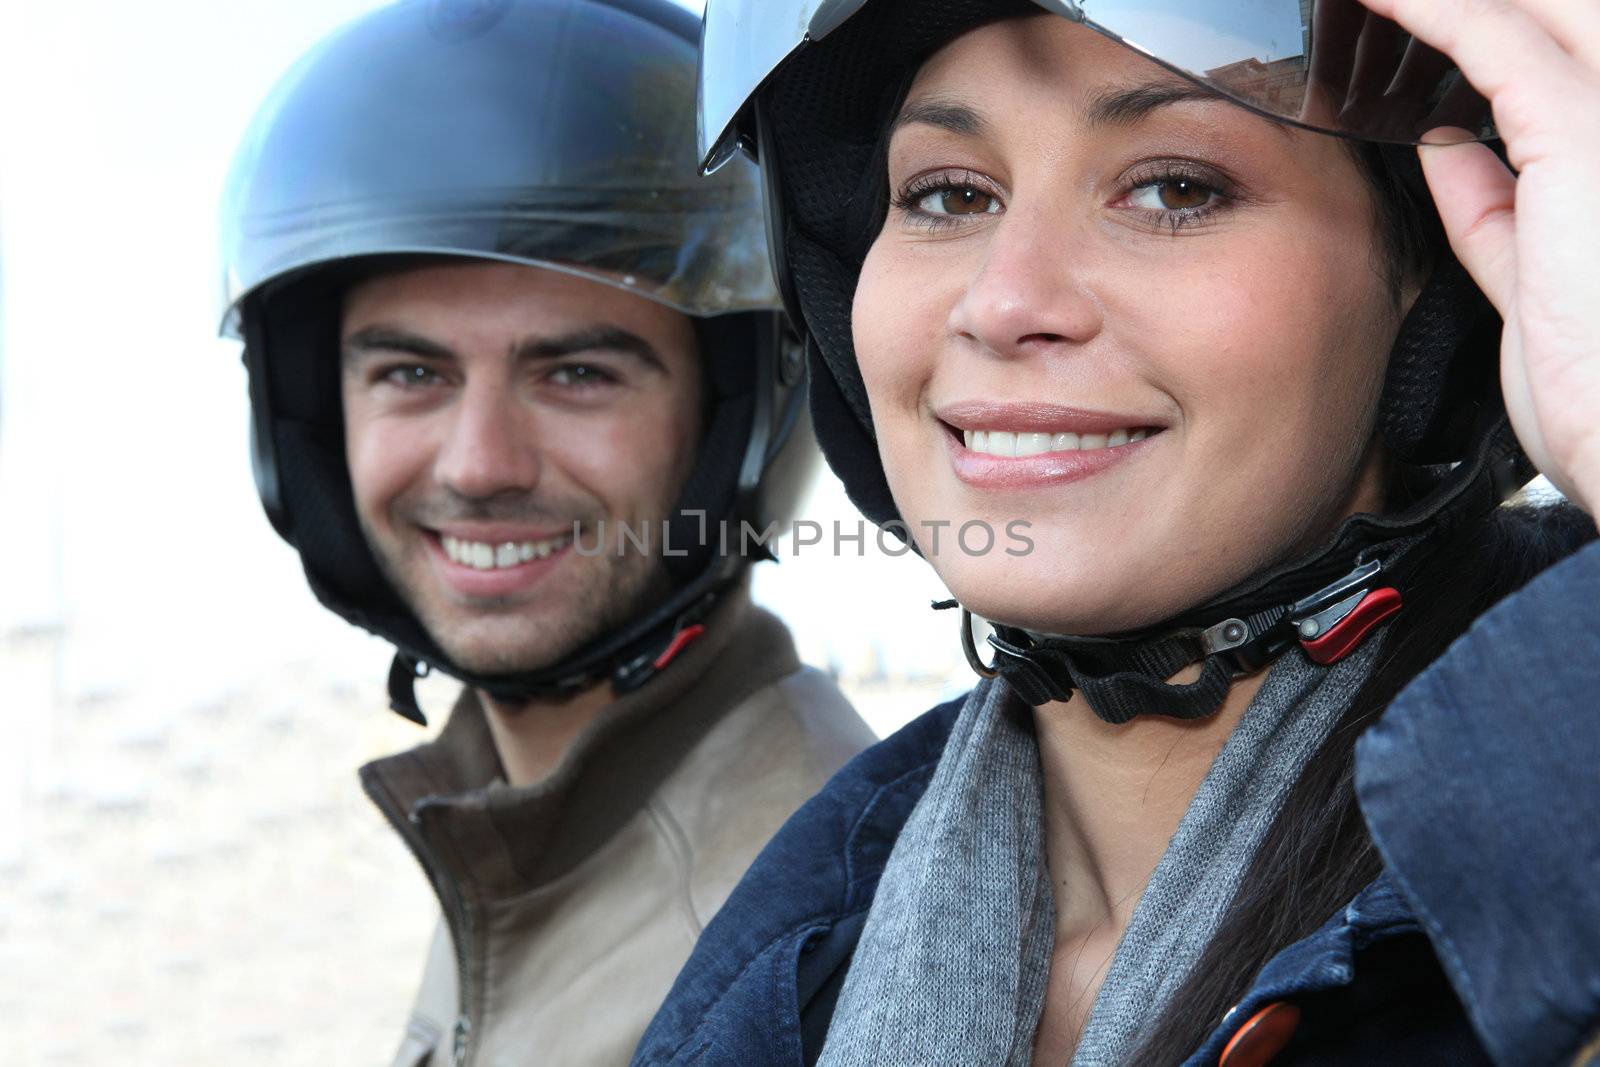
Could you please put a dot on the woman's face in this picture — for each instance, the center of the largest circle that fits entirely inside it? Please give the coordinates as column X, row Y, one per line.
column 1145, row 322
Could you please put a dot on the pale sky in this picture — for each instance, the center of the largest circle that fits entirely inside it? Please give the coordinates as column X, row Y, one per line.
column 125, row 492
column 1204, row 34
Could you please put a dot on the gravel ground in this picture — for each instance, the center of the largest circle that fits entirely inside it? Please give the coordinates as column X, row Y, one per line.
column 208, row 885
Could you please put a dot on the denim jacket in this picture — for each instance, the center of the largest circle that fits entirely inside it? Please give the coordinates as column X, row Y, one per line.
column 1479, row 943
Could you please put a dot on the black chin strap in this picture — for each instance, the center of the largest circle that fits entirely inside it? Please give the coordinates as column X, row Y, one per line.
column 403, row 674
column 1125, row 677
column 1119, row 682
column 627, row 667
column 1328, row 603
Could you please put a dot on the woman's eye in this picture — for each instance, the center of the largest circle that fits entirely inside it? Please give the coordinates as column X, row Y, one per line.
column 1173, row 194
column 958, row 200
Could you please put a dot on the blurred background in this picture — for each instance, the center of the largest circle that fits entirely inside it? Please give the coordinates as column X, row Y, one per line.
column 189, row 872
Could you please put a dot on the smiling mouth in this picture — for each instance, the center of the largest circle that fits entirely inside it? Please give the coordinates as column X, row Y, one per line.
column 1011, row 444
column 484, row 556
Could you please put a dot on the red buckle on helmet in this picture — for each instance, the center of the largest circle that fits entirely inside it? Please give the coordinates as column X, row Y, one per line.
column 680, row 641
column 1329, row 640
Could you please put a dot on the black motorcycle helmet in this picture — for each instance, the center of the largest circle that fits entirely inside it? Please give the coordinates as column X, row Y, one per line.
column 555, row 133
column 806, row 87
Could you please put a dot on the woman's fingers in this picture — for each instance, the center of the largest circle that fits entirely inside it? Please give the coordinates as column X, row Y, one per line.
column 1538, row 63
column 1502, row 49
column 1574, row 24
column 1476, row 197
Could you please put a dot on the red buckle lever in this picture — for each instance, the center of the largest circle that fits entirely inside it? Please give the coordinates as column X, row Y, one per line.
column 1341, row 637
column 680, row 641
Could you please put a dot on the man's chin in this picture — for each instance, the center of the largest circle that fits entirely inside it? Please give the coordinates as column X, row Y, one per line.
column 527, row 637
column 487, row 642
column 490, row 662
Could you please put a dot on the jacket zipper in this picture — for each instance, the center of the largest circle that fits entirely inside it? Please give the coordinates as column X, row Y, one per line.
column 454, row 908
column 457, row 920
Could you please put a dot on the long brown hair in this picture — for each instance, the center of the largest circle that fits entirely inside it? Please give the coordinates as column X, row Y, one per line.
column 1317, row 853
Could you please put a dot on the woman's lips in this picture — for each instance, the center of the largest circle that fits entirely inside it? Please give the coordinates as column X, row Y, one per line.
column 1010, row 445
column 983, row 470
column 1037, row 418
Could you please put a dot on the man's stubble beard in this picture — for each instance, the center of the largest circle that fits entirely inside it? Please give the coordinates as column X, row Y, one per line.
column 627, row 586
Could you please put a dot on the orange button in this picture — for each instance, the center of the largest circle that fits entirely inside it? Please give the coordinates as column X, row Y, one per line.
column 1263, row 1037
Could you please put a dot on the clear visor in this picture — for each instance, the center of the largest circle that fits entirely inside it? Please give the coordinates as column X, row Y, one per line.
column 554, row 137
column 1328, row 65
column 691, row 251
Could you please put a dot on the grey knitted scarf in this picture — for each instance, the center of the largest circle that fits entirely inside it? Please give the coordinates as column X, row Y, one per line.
column 952, row 965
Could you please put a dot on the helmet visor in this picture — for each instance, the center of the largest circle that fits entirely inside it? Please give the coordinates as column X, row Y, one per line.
column 1328, row 65
column 554, row 136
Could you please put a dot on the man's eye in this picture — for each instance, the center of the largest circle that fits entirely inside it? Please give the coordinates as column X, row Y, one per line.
column 410, row 376
column 958, row 200
column 580, row 375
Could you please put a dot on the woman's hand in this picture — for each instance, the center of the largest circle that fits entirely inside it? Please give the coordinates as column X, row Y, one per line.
column 1530, row 240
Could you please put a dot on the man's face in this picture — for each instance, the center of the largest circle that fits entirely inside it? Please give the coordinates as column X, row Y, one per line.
column 488, row 408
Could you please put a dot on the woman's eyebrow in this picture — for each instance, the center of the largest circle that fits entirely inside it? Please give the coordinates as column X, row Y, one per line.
column 1125, row 106
column 943, row 114
column 1117, row 106
column 1131, row 104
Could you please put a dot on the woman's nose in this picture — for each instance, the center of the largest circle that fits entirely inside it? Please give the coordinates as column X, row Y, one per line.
column 1029, row 290
column 491, row 445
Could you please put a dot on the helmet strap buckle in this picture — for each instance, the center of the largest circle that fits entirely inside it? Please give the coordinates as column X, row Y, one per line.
column 403, row 673
column 1329, row 624
column 970, row 649
column 686, row 630
column 1331, row 635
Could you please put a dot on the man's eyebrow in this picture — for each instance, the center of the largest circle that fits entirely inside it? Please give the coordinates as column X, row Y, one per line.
column 593, row 339
column 943, row 114
column 391, row 339
column 370, row 339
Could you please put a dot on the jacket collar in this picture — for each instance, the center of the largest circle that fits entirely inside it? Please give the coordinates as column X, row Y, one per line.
column 1323, row 961
column 794, row 918
column 505, row 840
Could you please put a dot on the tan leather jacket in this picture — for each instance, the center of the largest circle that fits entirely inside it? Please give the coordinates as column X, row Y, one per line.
column 569, row 905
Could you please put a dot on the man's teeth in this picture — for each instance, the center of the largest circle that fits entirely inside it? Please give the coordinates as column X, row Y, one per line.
column 1006, row 443
column 483, row 556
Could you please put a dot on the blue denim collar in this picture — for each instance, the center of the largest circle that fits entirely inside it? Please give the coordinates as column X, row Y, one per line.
column 1325, row 960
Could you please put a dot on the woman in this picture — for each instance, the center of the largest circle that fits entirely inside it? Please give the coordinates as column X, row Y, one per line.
column 1231, row 373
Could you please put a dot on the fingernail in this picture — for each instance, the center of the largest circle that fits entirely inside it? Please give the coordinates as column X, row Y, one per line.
column 1447, row 135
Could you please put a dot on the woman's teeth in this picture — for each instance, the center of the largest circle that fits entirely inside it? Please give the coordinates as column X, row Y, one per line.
column 1006, row 443
column 481, row 555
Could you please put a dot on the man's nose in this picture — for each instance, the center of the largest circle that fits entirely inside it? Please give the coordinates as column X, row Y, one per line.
column 491, row 445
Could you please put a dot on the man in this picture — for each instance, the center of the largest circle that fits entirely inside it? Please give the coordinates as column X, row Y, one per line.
column 513, row 366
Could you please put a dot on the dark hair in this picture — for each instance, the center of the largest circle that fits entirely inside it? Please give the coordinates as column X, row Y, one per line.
column 1409, row 232
column 1317, row 854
